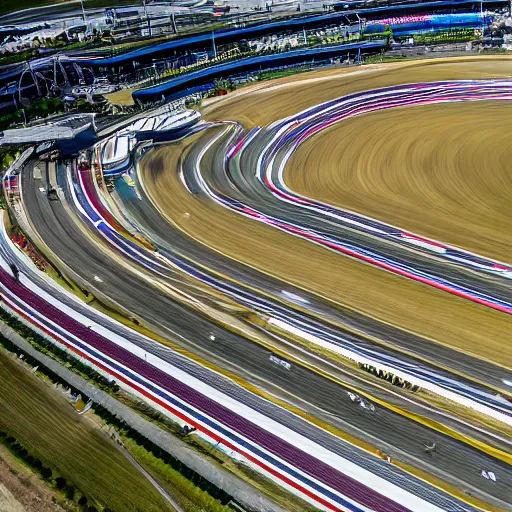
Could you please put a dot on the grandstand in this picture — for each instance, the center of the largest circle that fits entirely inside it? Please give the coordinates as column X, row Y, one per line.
column 191, row 82
column 22, row 82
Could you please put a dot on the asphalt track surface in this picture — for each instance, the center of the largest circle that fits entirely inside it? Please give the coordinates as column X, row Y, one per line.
column 421, row 309
column 438, row 179
column 237, row 188
column 188, row 253
column 62, row 236
column 260, row 198
column 227, row 386
column 148, row 221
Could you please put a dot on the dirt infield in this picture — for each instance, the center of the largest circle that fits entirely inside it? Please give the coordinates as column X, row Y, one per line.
column 407, row 304
column 442, row 171
column 122, row 97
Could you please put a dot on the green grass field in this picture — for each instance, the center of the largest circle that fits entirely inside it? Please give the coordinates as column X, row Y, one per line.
column 72, row 446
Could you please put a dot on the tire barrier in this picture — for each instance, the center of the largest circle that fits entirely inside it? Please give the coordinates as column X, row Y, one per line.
column 390, row 377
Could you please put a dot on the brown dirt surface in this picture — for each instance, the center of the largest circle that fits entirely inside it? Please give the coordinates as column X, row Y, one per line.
column 263, row 103
column 21, row 490
column 122, row 97
column 419, row 308
column 441, row 171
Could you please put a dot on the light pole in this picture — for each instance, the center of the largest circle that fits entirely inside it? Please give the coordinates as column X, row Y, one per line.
column 83, row 10
column 174, row 23
column 482, row 16
column 360, row 23
column 147, row 17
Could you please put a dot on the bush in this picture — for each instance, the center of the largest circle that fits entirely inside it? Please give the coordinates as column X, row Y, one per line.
column 70, row 492
column 22, row 453
column 60, row 483
column 46, row 473
column 45, row 346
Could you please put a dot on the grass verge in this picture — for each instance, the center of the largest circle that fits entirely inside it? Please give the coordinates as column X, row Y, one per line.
column 190, row 497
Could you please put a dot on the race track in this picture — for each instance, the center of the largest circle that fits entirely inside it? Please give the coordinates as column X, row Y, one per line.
column 415, row 308
column 438, row 170
column 249, row 258
column 315, row 394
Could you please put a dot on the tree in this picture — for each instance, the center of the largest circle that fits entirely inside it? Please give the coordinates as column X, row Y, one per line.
column 70, row 492
column 60, row 483
column 46, row 473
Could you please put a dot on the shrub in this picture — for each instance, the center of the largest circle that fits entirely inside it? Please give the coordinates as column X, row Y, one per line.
column 60, row 483
column 70, row 492
column 46, row 473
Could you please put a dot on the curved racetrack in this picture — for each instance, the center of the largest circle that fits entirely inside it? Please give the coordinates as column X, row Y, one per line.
column 401, row 302
column 442, row 171
column 243, row 256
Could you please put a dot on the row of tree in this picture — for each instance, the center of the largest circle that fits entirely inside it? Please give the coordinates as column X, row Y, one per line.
column 455, row 35
column 48, row 348
column 56, row 481
column 40, row 108
column 390, row 377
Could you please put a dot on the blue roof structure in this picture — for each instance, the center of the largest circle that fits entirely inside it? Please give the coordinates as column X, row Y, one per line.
column 174, row 87
column 224, row 36
column 468, row 20
column 436, row 4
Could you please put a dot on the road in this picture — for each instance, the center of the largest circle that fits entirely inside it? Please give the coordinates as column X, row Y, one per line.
column 314, row 393
column 260, row 198
column 424, row 348
column 195, row 257
column 298, row 425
